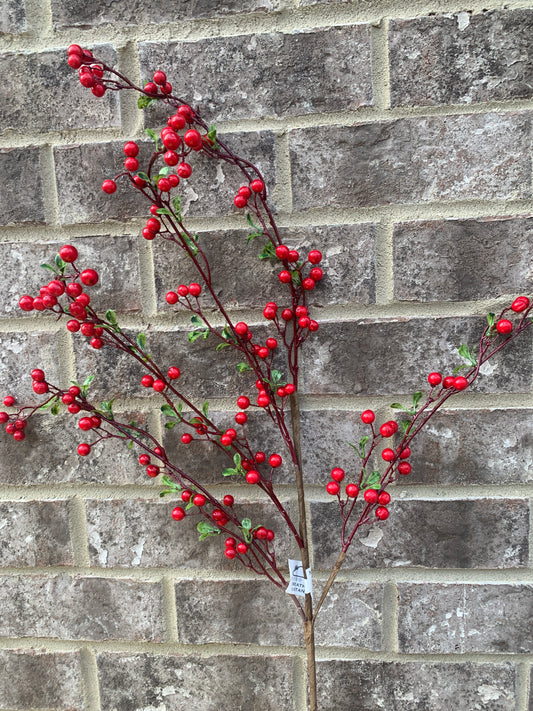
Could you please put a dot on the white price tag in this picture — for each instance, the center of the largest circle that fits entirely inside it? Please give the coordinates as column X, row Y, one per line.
column 298, row 584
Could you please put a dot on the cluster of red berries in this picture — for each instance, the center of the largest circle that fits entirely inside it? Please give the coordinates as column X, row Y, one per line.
column 504, row 326
column 292, row 256
column 159, row 84
column 194, row 289
column 158, row 384
column 270, row 312
column 371, row 496
column 245, row 192
column 233, row 548
column 91, row 74
column 152, row 470
column 17, row 427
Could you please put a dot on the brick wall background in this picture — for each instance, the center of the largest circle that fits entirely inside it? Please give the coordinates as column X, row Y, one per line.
column 396, row 137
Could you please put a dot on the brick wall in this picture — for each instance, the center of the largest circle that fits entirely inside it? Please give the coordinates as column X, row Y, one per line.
column 394, row 136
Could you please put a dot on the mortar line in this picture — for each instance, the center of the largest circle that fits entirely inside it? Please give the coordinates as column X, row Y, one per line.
column 170, row 615
column 147, row 278
column 384, row 263
column 283, row 189
column 299, row 684
column 389, row 641
column 78, row 532
column 360, row 116
column 49, row 188
column 65, row 347
column 131, row 116
column 530, row 557
column 90, row 682
column 380, row 64
column 39, row 20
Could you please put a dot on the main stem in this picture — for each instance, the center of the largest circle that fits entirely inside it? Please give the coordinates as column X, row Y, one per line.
column 309, row 624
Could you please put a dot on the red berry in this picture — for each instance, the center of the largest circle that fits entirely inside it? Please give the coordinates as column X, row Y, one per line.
column 218, row 515
column 225, row 441
column 164, row 185
column 184, row 170
column 131, row 164
column 275, row 460
column 49, row 301
column 178, row 514
column 152, row 470
column 253, row 477
column 504, row 326
column 56, row 287
column 405, row 453
column 74, row 49
column 315, row 257
column 384, row 498
column 139, row 182
column 382, row 513
column 230, row 553
column 68, row 253
column 228, row 500
column 386, row 430
column 242, row 548
column 89, row 277
column 144, row 459
column 147, row 381
column 240, row 201
column 84, row 449
column 271, row 343
column 388, row 455
column 371, row 496
column 448, row 381
column 230, row 542
column 282, row 252
column 368, row 416
column 241, row 328
column 316, row 274
column 195, row 289
column 19, row 435
column 245, row 191
column 261, row 533
column 160, row 77
column 332, row 488
column 241, row 418
column 313, row 325
column 404, row 468
column 85, row 424
column 4, row 417
column 171, row 297
column 520, row 304
column 186, row 438
column 74, row 61
column 394, row 426
column 99, row 90
column 304, row 322
column 460, row 383
column 260, row 457
column 186, row 111
column 243, row 402
column 199, row 500
column 286, row 314
column 337, row 474
column 109, row 186
column 434, row 379
column 263, row 401
column 186, row 495
column 96, row 343
column 74, row 390
column 86, row 77
column 257, row 185
column 39, row 388
column 9, row 400
column 26, row 303
column 352, row 490
column 159, row 385
column 290, row 389
column 173, row 372
column 308, row 284
column 131, row 149
column 285, row 277
column 150, row 88
column 193, row 139
column 37, row 374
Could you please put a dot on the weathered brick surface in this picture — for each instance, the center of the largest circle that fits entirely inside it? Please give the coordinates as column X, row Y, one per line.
column 21, row 197
column 80, row 15
column 461, row 59
column 40, row 680
column 131, row 682
column 315, row 71
column 479, row 533
column 48, row 83
column 347, row 250
column 48, row 455
column 478, row 156
column 115, row 258
column 66, row 607
column 258, row 613
column 34, row 533
column 142, row 533
column 457, row 619
column 416, row 687
column 12, row 16
column 383, row 357
column 20, row 353
column 474, row 447
column 462, row 260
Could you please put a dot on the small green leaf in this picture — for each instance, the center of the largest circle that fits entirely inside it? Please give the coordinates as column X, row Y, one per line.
column 51, row 403
column 362, row 442
column 144, row 176
column 405, row 425
column 60, row 264
column 88, row 380
column 221, row 346
column 165, row 492
column 246, row 523
column 206, row 334
column 205, row 408
column 194, row 335
column 251, row 222
column 237, row 460
column 229, row 472
column 55, row 409
column 465, row 353
column 167, row 481
column 276, row 377
column 111, row 317
column 153, row 135
column 207, row 528
column 163, row 211
column 398, row 406
column 212, row 135
column 268, row 252
column 491, row 318
column 243, row 367
column 48, row 266
column 176, row 204
column 460, row 367
column 170, row 425
column 167, row 410
column 195, row 320
column 143, row 102
column 130, row 444
column 371, row 481
column 141, row 341
column 416, row 399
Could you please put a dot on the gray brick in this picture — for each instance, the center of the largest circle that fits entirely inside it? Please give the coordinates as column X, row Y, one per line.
column 474, row 447
column 78, row 14
column 258, row 613
column 48, row 455
column 13, row 17
column 415, row 687
column 318, row 70
column 142, row 533
column 457, row 619
column 461, row 59
column 34, row 533
column 462, row 260
column 479, row 533
column 347, row 249
column 115, row 259
column 21, row 352
column 383, row 357
column 53, row 98
column 132, row 682
column 412, row 160
column 21, row 198
column 80, row 608
column 40, row 680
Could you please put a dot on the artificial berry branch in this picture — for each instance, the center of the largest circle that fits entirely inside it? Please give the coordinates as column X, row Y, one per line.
column 366, row 499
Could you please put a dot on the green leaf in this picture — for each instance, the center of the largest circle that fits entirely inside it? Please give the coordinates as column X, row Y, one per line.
column 416, row 399
column 144, row 176
column 362, row 442
column 176, row 204
column 165, row 492
column 268, row 252
column 491, row 318
column 371, row 481
column 243, row 367
column 246, row 523
column 167, row 481
column 465, row 353
column 163, row 211
column 207, row 528
column 130, row 444
column 191, row 243
column 194, row 335
column 460, row 367
column 212, row 135
column 170, row 425
column 55, row 409
column 296, row 278
column 205, row 408
column 276, row 377
column 229, row 472
column 48, row 266
column 143, row 102
column 167, row 410
column 251, row 222
column 111, row 317
column 206, row 334
column 398, row 406
column 153, row 135
column 88, row 380
column 195, row 320
column 141, row 341
column 405, row 425
column 51, row 403
column 237, row 460
column 221, row 346
column 60, row 264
